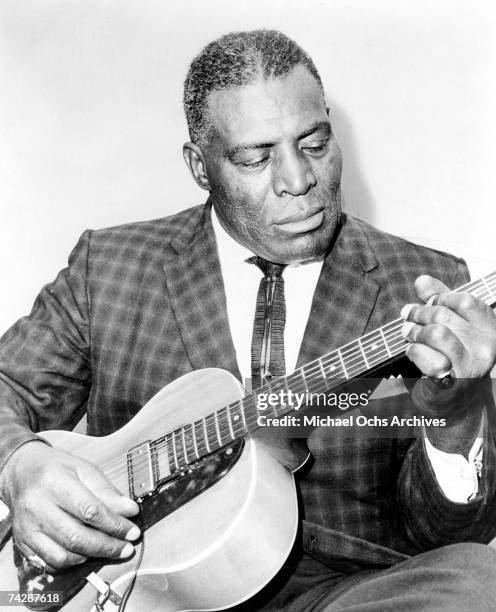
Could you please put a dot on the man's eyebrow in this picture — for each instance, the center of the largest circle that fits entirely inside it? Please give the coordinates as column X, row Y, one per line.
column 323, row 126
column 232, row 152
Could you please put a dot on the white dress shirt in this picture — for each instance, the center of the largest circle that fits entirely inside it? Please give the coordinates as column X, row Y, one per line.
column 457, row 477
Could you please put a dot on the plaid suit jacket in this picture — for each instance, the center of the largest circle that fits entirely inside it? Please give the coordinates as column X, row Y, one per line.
column 141, row 304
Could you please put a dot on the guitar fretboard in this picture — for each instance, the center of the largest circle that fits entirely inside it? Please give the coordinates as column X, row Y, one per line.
column 193, row 441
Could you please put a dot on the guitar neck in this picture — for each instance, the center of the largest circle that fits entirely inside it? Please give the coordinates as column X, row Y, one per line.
column 193, row 441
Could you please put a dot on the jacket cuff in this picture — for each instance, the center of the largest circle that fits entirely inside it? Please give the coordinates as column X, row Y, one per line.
column 430, row 518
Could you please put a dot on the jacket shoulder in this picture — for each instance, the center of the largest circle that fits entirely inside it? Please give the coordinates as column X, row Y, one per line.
column 398, row 256
column 159, row 232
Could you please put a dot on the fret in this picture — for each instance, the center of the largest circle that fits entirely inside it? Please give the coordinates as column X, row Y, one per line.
column 172, row 446
column 183, row 440
column 238, row 423
column 286, row 386
column 374, row 347
column 229, row 421
column 385, row 342
column 322, row 369
column 196, row 425
column 213, row 434
column 222, row 425
column 205, row 429
column 251, row 412
column 190, row 443
column 345, row 373
column 313, row 375
column 398, row 340
column 272, row 388
column 363, row 353
column 293, row 380
column 243, row 414
column 302, row 370
column 333, row 366
column 200, row 437
column 267, row 389
column 178, row 451
column 217, row 430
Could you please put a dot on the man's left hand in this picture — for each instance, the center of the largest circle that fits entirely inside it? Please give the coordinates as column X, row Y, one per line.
column 456, row 334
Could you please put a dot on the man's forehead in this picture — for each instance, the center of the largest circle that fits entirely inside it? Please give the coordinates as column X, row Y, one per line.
column 267, row 108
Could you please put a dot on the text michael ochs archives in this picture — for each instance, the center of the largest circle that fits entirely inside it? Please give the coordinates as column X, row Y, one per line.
column 291, row 401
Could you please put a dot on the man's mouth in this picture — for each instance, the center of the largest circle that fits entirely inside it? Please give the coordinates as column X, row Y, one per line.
column 301, row 223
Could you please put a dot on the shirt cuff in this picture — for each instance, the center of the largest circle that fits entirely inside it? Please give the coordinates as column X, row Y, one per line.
column 457, row 476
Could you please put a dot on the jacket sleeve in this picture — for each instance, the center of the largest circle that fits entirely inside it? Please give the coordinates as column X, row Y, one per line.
column 44, row 359
column 430, row 519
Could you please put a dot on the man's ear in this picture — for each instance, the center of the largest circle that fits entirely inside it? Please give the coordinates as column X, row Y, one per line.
column 195, row 160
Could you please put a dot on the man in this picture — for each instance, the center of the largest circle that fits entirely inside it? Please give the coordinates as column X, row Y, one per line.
column 142, row 304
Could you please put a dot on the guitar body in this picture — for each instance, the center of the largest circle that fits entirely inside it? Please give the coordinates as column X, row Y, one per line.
column 222, row 545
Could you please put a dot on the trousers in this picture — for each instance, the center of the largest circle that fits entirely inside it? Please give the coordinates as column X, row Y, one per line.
column 455, row 578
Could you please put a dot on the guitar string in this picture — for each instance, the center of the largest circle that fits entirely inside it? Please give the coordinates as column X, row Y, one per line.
column 307, row 371
column 308, row 376
column 225, row 435
column 183, row 456
column 145, row 467
column 360, row 343
column 314, row 365
column 249, row 420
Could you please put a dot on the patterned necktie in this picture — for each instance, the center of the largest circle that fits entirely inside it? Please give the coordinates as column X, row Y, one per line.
column 267, row 345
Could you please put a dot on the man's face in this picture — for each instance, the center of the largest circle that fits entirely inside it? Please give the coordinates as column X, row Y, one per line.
column 274, row 167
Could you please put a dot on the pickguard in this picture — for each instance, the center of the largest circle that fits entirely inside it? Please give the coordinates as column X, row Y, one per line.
column 170, row 495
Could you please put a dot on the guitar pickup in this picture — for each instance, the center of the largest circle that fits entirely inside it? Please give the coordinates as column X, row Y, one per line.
column 142, row 470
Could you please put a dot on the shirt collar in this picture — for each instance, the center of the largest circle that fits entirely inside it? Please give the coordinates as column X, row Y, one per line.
column 230, row 251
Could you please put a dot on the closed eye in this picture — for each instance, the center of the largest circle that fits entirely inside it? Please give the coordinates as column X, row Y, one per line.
column 317, row 147
column 258, row 163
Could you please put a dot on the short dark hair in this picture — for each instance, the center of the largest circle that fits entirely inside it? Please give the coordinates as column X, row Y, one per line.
column 233, row 60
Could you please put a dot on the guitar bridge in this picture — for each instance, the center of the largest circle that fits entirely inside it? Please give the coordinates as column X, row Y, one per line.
column 142, row 470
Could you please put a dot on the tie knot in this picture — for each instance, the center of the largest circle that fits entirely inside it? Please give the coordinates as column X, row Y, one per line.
column 268, row 267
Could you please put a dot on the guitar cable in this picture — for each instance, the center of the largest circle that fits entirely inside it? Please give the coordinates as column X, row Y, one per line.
column 105, row 588
column 130, row 585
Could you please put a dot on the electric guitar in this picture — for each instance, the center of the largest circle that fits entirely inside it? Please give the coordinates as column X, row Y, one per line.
column 216, row 490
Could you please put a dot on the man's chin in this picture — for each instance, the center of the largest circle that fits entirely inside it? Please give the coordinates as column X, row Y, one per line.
column 301, row 248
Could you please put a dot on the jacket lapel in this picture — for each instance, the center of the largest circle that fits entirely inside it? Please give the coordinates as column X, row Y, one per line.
column 345, row 294
column 196, row 293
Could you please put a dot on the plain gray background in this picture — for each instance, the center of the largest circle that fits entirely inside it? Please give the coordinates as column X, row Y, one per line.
column 91, row 123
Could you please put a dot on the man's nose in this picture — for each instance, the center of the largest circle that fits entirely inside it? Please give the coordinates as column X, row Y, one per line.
column 293, row 174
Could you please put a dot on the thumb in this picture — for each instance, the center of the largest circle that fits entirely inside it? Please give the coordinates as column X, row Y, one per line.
column 427, row 286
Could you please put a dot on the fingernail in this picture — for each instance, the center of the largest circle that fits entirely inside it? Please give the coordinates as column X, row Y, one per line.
column 127, row 551
column 133, row 533
column 130, row 504
column 432, row 300
column 444, row 374
column 406, row 328
column 405, row 311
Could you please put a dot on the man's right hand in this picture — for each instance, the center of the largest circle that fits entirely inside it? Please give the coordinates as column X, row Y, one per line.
column 64, row 509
